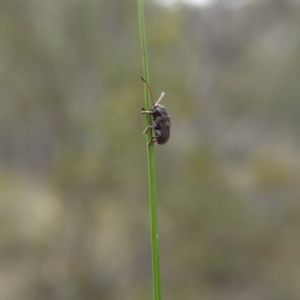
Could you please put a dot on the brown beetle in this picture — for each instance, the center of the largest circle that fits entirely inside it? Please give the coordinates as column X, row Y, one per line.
column 161, row 121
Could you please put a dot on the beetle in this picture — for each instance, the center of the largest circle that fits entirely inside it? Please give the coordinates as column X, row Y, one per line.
column 161, row 121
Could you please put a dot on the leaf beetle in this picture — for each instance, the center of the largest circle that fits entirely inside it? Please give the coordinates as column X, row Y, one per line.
column 161, row 121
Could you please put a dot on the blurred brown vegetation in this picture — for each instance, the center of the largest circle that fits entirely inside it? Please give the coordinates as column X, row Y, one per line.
column 74, row 205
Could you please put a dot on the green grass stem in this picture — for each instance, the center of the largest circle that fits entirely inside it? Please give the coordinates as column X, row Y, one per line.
column 151, row 169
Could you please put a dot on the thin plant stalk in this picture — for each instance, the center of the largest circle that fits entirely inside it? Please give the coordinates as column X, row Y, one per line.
column 151, row 169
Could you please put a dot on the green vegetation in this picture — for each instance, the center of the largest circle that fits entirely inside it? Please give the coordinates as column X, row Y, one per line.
column 74, row 220
column 151, row 170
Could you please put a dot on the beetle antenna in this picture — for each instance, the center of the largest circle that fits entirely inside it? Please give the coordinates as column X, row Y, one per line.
column 161, row 96
column 148, row 86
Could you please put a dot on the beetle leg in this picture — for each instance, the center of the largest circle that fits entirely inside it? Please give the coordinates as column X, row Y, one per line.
column 144, row 111
column 147, row 128
column 152, row 141
column 157, row 132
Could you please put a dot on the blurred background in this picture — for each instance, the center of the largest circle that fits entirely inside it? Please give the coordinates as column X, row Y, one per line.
column 74, row 211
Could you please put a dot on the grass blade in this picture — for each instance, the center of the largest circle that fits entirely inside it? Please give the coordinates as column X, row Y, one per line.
column 151, row 169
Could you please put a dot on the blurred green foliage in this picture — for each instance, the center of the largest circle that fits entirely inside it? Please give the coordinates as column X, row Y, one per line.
column 74, row 213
